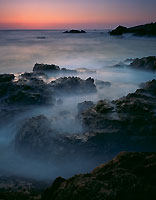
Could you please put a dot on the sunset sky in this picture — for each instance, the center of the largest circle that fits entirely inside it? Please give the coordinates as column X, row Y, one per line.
column 60, row 14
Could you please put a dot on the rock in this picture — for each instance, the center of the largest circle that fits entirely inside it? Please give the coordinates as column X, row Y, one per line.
column 130, row 115
column 127, row 176
column 27, row 90
column 119, row 30
column 17, row 188
column 41, row 37
column 46, row 68
column 73, row 85
column 75, row 31
column 145, row 63
column 34, row 135
column 31, row 75
column 6, row 77
column 84, row 106
column 141, row 30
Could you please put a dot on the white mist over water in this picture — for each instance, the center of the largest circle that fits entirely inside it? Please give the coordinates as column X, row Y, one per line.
column 20, row 50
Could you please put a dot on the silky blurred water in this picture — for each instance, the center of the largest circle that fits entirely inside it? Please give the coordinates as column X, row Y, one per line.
column 97, row 50
column 20, row 50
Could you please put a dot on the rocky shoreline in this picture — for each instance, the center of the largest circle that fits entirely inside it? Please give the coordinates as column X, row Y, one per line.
column 108, row 127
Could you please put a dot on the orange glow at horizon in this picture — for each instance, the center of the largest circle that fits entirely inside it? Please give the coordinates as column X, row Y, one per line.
column 61, row 13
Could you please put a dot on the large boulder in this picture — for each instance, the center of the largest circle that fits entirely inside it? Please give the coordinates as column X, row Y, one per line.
column 127, row 176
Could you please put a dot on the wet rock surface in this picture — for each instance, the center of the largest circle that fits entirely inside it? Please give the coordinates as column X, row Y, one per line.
column 127, row 176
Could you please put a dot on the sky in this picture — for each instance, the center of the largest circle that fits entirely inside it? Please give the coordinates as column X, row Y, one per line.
column 87, row 14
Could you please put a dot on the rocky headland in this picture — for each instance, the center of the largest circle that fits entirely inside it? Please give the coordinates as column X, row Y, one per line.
column 140, row 30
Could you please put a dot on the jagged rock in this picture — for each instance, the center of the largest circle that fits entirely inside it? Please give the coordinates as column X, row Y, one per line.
column 145, row 63
column 130, row 115
column 75, row 31
column 127, row 176
column 46, row 68
column 73, row 85
column 29, row 89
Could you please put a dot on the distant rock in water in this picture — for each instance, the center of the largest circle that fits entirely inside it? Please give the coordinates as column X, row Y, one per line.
column 46, row 67
column 75, row 31
column 41, row 37
column 145, row 63
column 119, row 30
column 128, row 176
column 141, row 30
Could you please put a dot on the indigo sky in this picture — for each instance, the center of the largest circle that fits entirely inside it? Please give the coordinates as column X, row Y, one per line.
column 57, row 14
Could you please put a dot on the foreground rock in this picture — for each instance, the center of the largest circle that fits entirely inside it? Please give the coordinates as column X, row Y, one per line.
column 75, row 31
column 141, row 30
column 127, row 176
column 130, row 115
